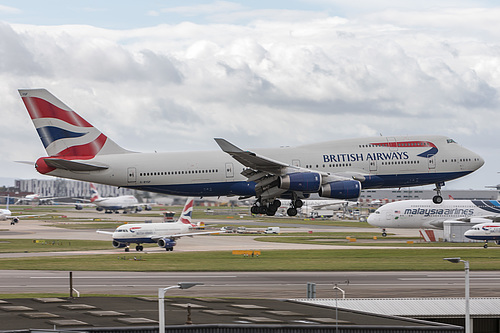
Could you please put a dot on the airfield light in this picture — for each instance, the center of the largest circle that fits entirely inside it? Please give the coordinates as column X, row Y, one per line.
column 161, row 301
column 467, row 295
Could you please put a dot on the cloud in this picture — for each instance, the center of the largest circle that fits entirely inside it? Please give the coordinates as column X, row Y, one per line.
column 9, row 10
column 268, row 83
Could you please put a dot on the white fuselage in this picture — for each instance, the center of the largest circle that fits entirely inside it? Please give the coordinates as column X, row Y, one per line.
column 424, row 214
column 5, row 214
column 412, row 161
column 145, row 232
column 484, row 231
column 115, row 203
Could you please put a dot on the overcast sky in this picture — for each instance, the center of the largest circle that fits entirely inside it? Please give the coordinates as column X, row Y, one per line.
column 172, row 75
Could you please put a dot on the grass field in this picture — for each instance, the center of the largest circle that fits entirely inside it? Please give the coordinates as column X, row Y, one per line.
column 275, row 260
column 50, row 245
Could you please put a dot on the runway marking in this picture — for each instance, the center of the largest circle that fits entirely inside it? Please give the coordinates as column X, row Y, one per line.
column 135, row 277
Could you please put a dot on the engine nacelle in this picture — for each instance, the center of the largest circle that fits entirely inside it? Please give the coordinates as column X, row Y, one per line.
column 301, row 181
column 15, row 220
column 148, row 207
column 138, row 209
column 497, row 242
column 166, row 243
column 78, row 207
column 99, row 208
column 118, row 245
column 345, row 189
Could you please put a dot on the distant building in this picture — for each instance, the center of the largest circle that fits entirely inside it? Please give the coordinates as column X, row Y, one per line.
column 67, row 188
column 388, row 195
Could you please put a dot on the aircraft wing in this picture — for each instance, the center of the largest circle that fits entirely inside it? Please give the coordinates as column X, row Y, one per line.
column 189, row 234
column 104, row 232
column 251, row 159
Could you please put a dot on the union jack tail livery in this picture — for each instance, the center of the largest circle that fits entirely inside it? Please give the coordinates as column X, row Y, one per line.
column 187, row 212
column 94, row 194
column 63, row 132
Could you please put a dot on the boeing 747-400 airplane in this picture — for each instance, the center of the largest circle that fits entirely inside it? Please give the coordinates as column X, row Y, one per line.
column 424, row 214
column 334, row 169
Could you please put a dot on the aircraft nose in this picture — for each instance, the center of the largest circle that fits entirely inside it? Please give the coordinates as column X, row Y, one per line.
column 372, row 219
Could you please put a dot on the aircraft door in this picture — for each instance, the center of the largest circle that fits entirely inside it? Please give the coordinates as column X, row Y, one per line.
column 131, row 176
column 393, row 146
column 229, row 170
column 373, row 165
column 432, row 162
column 296, row 163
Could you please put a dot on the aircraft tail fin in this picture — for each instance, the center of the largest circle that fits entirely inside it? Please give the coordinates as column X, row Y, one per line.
column 187, row 212
column 94, row 194
column 64, row 132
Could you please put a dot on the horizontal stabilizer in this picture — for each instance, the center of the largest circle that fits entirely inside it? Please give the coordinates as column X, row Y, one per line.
column 73, row 165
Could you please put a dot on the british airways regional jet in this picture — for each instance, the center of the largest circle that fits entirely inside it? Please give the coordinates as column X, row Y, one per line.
column 334, row 169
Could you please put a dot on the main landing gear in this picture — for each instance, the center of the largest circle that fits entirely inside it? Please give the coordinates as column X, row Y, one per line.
column 437, row 199
column 269, row 209
column 292, row 211
column 384, row 233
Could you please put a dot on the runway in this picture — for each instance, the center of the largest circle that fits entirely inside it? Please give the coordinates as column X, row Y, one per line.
column 282, row 285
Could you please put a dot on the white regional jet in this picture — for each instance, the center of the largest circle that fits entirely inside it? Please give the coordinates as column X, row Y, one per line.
column 164, row 234
column 485, row 231
column 334, row 169
column 424, row 214
column 112, row 204
column 6, row 214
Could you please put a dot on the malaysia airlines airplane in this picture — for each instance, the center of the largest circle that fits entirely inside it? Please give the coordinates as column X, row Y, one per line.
column 113, row 204
column 334, row 169
column 164, row 234
column 424, row 214
column 485, row 231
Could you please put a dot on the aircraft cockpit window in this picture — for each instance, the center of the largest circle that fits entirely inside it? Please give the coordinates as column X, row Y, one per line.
column 377, row 212
column 450, row 141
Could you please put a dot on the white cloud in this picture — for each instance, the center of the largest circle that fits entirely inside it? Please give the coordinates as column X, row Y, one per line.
column 269, row 83
column 9, row 10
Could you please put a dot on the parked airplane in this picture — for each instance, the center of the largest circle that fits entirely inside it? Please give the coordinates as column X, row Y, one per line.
column 6, row 214
column 424, row 214
column 334, row 169
column 485, row 231
column 164, row 234
column 35, row 198
column 112, row 204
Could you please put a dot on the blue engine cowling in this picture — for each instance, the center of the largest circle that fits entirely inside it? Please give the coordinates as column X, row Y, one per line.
column 148, row 207
column 118, row 245
column 301, row 181
column 166, row 243
column 345, row 189
column 78, row 207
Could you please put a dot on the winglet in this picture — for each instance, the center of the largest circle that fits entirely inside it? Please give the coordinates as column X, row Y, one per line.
column 227, row 146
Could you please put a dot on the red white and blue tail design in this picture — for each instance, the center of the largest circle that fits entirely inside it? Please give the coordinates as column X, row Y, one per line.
column 94, row 194
column 63, row 132
column 187, row 212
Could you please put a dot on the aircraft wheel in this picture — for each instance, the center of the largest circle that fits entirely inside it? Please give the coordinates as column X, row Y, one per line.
column 437, row 199
column 270, row 211
column 291, row 212
column 485, row 245
column 262, row 210
column 298, row 203
column 384, row 234
column 276, row 204
column 127, row 249
column 254, row 210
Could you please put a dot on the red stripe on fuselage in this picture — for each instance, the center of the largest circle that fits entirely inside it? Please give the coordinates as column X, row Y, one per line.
column 40, row 108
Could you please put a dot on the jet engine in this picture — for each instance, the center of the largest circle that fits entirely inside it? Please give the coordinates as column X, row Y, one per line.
column 301, row 181
column 118, row 245
column 78, row 207
column 345, row 189
column 15, row 220
column 148, row 207
column 138, row 209
column 167, row 243
column 99, row 209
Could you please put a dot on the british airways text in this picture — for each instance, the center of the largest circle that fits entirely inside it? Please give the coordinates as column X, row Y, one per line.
column 337, row 158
